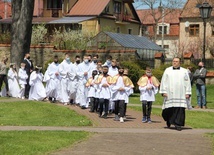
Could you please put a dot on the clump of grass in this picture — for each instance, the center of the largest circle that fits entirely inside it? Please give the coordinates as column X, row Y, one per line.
column 37, row 142
column 34, row 113
column 194, row 119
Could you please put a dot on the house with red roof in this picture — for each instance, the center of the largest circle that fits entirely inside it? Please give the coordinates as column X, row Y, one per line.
column 5, row 9
column 106, row 15
column 89, row 15
column 167, row 30
column 192, row 30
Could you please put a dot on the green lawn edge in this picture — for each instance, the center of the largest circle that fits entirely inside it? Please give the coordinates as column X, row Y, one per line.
column 39, row 142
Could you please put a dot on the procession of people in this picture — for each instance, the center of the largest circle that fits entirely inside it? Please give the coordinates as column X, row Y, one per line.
column 103, row 87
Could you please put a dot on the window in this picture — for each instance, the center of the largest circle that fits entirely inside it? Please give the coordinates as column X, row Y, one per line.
column 144, row 30
column 166, row 46
column 163, row 28
column 194, row 30
column 129, row 31
column 107, row 9
column 118, row 29
column 212, row 28
column 53, row 4
column 117, row 7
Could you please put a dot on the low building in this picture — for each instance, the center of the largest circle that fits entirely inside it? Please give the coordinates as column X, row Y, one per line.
column 144, row 48
column 167, row 30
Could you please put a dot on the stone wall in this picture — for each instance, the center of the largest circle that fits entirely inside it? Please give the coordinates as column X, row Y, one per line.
column 41, row 55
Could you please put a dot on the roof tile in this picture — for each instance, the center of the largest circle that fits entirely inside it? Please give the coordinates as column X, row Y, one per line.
column 190, row 9
column 188, row 55
column 2, row 9
column 88, row 7
column 146, row 17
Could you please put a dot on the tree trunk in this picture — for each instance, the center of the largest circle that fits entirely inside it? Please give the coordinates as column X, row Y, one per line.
column 22, row 14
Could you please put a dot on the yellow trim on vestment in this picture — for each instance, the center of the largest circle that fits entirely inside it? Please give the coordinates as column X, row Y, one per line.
column 88, row 83
column 144, row 80
column 126, row 80
column 100, row 77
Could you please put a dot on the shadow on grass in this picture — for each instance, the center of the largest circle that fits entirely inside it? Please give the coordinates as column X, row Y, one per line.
column 135, row 95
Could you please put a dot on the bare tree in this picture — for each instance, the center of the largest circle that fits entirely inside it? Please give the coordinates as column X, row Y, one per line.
column 159, row 9
column 22, row 14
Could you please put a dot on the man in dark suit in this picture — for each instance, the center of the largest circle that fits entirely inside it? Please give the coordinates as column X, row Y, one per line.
column 29, row 69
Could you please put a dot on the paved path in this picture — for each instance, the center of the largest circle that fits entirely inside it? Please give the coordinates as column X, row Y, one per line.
column 131, row 137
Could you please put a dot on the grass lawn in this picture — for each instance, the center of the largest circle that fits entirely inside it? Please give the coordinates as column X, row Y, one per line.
column 34, row 113
column 37, row 142
column 194, row 119
column 212, row 137
column 135, row 98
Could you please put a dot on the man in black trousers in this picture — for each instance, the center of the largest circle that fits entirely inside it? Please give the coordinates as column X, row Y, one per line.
column 29, row 69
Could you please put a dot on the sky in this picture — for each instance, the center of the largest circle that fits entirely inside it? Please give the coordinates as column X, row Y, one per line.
column 138, row 5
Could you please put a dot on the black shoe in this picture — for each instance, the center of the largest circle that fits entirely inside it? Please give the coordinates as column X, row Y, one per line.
column 178, row 128
column 91, row 110
column 71, row 101
column 8, row 95
column 168, row 124
column 105, row 116
column 83, row 107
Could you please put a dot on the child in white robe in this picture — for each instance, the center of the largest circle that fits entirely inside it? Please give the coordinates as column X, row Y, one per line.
column 52, row 80
column 13, row 84
column 22, row 80
column 103, row 89
column 131, row 91
column 37, row 89
column 148, row 86
column 92, row 91
column 121, row 86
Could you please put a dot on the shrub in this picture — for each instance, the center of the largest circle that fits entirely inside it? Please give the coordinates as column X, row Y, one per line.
column 135, row 72
column 70, row 39
column 142, row 64
column 5, row 38
column 39, row 33
column 158, row 73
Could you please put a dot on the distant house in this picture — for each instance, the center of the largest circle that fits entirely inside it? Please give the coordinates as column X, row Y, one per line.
column 169, row 39
column 89, row 15
column 107, row 15
column 5, row 9
column 48, row 12
column 145, row 48
column 192, row 30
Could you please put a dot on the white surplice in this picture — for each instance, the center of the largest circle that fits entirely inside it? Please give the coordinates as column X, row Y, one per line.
column 76, row 95
column 120, row 95
column 22, row 81
column 83, row 91
column 112, row 71
column 14, row 88
column 176, row 84
column 104, row 92
column 37, row 89
column 148, row 95
column 64, row 69
column 52, row 80
column 72, row 81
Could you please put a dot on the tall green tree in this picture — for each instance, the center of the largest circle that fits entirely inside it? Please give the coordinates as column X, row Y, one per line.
column 22, row 14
